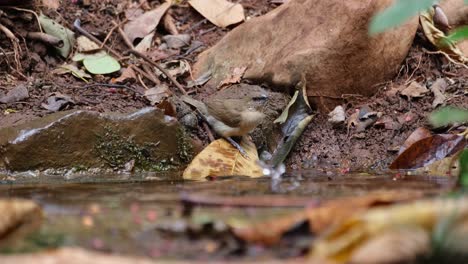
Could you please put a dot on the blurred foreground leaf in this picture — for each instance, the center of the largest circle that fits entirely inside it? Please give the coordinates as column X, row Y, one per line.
column 397, row 14
column 448, row 115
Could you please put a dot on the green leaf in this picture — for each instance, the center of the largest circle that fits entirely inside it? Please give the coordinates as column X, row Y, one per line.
column 397, row 14
column 101, row 65
column 55, row 29
column 448, row 115
column 460, row 33
column 463, row 177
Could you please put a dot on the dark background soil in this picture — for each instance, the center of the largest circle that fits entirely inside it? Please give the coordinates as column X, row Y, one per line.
column 322, row 145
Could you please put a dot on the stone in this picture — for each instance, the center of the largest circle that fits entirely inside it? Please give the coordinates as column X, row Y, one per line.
column 86, row 139
column 327, row 41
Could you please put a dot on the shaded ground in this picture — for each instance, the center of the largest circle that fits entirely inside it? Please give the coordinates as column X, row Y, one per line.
column 321, row 145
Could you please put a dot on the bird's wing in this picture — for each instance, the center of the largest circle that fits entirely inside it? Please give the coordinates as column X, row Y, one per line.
column 225, row 111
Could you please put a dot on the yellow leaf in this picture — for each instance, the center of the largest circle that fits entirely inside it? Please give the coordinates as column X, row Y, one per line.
column 220, row 158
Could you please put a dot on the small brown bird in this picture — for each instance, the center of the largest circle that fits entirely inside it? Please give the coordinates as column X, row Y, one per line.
column 231, row 117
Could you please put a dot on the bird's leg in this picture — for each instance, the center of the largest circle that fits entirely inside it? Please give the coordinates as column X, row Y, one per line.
column 238, row 147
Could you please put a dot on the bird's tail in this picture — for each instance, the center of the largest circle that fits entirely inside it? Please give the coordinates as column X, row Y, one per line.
column 197, row 104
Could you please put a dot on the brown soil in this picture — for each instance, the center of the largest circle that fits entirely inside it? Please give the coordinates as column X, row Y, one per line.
column 322, row 145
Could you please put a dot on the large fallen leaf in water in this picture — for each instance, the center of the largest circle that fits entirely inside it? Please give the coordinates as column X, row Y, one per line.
column 294, row 119
column 219, row 12
column 428, row 150
column 344, row 240
column 146, row 23
column 220, row 158
column 18, row 216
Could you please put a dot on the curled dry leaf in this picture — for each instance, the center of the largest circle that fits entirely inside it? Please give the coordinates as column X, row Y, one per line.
column 146, row 23
column 220, row 158
column 169, row 24
column 438, row 38
column 219, row 12
column 57, row 101
column 413, row 90
column 55, row 29
column 158, row 94
column 146, row 43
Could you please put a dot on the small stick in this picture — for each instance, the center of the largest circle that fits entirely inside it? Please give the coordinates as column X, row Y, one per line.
column 28, row 11
column 111, row 31
column 173, row 80
column 46, row 38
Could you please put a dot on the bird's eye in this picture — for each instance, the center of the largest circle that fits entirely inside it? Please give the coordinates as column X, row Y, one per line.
column 260, row 98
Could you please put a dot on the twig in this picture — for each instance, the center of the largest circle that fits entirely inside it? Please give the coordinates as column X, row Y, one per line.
column 15, row 42
column 446, row 56
column 46, row 38
column 173, row 80
column 111, row 31
column 125, row 38
column 77, row 26
column 28, row 11
column 414, row 71
column 195, row 25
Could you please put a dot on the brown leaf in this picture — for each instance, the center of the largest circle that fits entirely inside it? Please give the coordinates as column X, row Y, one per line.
column 414, row 89
column 127, row 73
column 235, row 77
column 428, row 150
column 417, row 135
column 437, row 89
column 220, row 158
column 168, row 108
column 219, row 12
column 157, row 94
column 146, row 23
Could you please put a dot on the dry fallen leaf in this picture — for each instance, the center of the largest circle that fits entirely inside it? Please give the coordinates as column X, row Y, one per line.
column 219, row 12
column 157, row 94
column 235, row 77
column 84, row 44
column 220, row 158
column 438, row 89
column 417, row 135
column 127, row 73
column 414, row 89
column 146, row 23
column 146, row 43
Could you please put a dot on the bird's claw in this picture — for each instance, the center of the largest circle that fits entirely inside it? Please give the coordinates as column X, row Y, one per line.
column 238, row 147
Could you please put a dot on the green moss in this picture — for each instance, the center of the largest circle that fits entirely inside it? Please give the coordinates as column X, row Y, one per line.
column 184, row 146
column 116, row 151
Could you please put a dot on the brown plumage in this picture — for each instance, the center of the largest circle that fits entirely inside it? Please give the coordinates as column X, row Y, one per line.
column 230, row 117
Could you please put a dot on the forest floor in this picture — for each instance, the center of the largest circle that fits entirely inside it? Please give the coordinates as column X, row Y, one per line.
column 321, row 145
